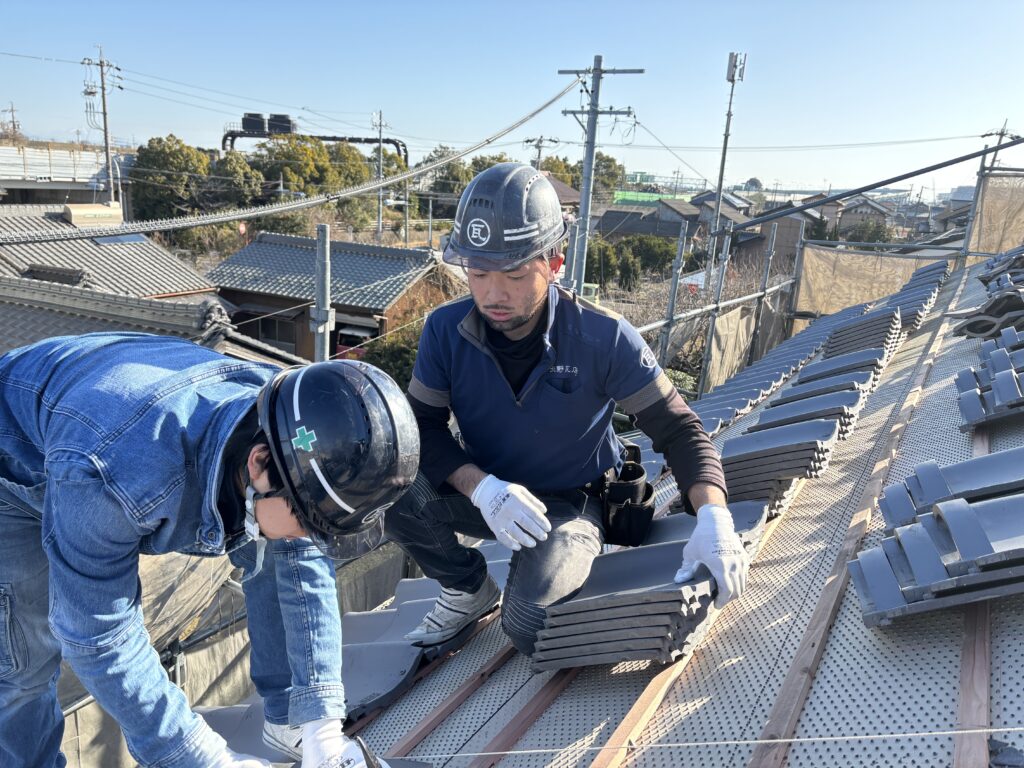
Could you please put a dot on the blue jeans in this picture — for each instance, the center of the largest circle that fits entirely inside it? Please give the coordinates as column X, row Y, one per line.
column 424, row 523
column 292, row 604
column 294, row 630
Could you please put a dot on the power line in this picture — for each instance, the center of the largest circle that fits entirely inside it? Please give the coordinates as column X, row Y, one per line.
column 39, row 58
column 177, row 101
column 188, row 222
column 673, row 152
column 782, row 147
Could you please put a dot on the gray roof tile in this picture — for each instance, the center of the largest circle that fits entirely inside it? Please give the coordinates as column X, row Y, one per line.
column 31, row 310
column 365, row 276
column 140, row 268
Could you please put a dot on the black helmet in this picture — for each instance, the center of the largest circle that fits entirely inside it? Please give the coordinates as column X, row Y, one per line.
column 507, row 215
column 346, row 444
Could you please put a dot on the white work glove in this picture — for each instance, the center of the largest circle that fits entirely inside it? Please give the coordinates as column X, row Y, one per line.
column 714, row 544
column 231, row 759
column 517, row 517
column 325, row 745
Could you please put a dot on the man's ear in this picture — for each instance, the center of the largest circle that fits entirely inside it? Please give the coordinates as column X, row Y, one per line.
column 555, row 262
column 259, row 456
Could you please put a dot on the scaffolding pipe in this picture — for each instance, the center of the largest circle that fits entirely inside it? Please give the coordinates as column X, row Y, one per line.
column 868, row 187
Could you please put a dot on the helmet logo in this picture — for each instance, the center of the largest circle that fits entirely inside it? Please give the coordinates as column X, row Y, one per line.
column 303, row 440
column 478, row 232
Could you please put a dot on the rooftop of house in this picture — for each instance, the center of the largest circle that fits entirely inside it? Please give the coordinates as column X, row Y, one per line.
column 131, row 265
column 368, row 277
column 858, row 695
column 32, row 310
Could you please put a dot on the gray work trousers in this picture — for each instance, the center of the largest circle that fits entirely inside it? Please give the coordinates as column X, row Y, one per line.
column 424, row 523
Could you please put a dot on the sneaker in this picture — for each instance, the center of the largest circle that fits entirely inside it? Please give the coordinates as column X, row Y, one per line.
column 286, row 739
column 352, row 758
column 453, row 611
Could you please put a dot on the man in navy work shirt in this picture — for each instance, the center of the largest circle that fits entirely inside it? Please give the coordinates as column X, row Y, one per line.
column 532, row 376
column 116, row 445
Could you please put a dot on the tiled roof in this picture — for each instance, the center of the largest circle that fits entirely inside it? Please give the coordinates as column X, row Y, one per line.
column 368, row 277
column 727, row 212
column 681, row 207
column 31, row 310
column 567, row 195
column 138, row 267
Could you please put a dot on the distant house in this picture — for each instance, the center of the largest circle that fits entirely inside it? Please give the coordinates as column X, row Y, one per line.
column 568, row 198
column 961, row 195
column 619, row 221
column 831, row 211
column 788, row 229
column 673, row 209
column 738, row 202
column 706, row 216
column 862, row 209
column 272, row 283
column 953, row 216
column 130, row 265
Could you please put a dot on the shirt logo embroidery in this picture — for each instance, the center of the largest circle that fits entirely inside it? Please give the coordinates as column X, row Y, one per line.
column 647, row 358
column 303, row 440
column 565, row 370
column 478, row 232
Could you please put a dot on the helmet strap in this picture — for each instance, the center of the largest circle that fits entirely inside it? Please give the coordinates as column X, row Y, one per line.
column 252, row 527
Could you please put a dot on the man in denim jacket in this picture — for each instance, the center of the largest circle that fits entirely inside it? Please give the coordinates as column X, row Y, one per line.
column 116, row 445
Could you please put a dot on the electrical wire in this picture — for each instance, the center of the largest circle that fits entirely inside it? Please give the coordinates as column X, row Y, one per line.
column 188, row 222
column 782, row 147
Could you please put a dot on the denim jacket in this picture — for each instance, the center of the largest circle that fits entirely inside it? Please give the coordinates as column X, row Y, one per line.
column 117, row 440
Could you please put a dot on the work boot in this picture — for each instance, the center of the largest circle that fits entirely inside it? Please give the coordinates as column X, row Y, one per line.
column 286, row 739
column 453, row 611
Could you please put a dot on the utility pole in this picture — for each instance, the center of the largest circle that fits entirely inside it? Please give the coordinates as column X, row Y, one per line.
column 321, row 320
column 104, row 67
column 596, row 73
column 12, row 127
column 734, row 72
column 378, row 123
column 538, row 144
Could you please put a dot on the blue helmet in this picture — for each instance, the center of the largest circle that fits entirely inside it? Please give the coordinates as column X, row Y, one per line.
column 507, row 215
column 345, row 442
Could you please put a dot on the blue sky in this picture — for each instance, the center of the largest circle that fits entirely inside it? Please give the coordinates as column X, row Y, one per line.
column 818, row 73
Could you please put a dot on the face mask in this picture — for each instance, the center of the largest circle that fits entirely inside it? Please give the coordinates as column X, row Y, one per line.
column 252, row 527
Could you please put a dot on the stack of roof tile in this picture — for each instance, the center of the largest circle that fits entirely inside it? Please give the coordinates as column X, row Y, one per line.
column 959, row 552
column 1009, row 339
column 879, row 328
column 629, row 609
column 843, row 406
column 984, row 477
column 378, row 663
column 1010, row 279
column 992, row 391
column 1004, row 263
column 1001, row 310
column 871, row 361
column 742, row 392
column 915, row 299
column 767, row 464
